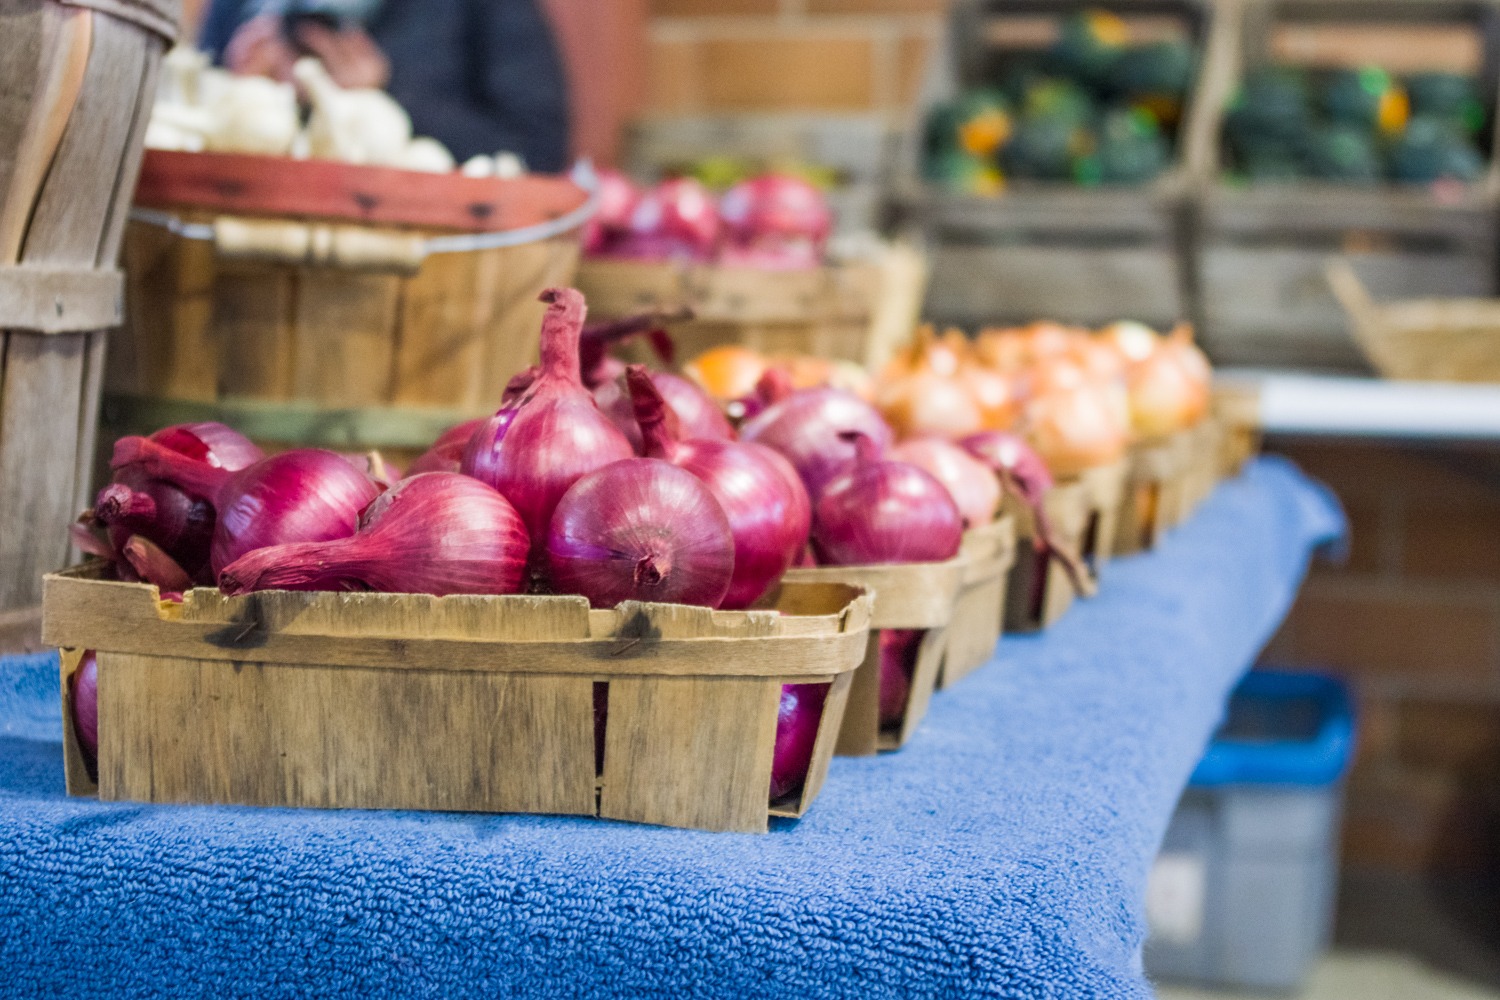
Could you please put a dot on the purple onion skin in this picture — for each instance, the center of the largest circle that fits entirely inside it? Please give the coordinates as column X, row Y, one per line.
column 306, row 495
column 447, row 452
column 538, row 445
column 806, row 427
column 881, row 512
column 436, row 533
column 641, row 530
column 767, row 507
column 180, row 524
column 698, row 416
column 796, row 731
column 219, row 446
column 898, row 661
column 1003, row 450
column 769, row 519
column 86, row 704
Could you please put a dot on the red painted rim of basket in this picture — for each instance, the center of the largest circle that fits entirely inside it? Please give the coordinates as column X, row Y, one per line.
column 242, row 184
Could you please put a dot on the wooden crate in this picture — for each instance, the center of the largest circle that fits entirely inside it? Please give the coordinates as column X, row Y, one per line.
column 76, row 87
column 1078, row 255
column 1260, row 250
column 907, row 596
column 979, row 608
column 1039, row 590
column 352, row 327
column 857, row 311
column 1445, row 340
column 483, row 704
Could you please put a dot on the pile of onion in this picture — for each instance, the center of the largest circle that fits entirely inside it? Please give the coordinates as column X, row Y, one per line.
column 617, row 200
column 775, row 221
column 1168, row 380
column 304, row 495
column 676, row 220
column 174, row 527
column 697, row 415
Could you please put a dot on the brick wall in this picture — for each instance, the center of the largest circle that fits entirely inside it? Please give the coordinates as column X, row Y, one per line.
column 831, row 56
column 1413, row 622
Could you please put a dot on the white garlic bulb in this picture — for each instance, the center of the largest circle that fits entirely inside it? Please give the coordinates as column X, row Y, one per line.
column 356, row 126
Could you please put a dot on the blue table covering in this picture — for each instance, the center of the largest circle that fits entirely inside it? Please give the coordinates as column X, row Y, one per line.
column 1003, row 853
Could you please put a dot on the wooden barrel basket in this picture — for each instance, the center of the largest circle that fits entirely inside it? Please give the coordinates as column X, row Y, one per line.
column 77, row 80
column 318, row 303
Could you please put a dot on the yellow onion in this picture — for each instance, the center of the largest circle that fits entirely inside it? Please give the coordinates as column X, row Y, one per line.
column 1075, row 429
column 726, row 372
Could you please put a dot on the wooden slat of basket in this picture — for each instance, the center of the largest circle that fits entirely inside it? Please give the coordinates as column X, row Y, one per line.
column 49, row 386
column 240, row 184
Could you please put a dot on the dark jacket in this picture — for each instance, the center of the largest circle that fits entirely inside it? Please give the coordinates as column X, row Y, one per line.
column 479, row 76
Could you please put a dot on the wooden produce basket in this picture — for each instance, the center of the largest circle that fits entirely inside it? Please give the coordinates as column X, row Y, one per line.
column 1156, row 492
column 1071, row 253
column 1204, row 468
column 76, row 85
column 1039, row 590
column 855, row 311
column 483, row 704
column 1236, row 410
column 1105, row 488
column 979, row 608
column 919, row 596
column 1260, row 250
column 1430, row 339
column 321, row 303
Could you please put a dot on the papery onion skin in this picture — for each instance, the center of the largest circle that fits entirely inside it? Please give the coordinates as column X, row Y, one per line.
column 806, row 428
column 533, row 449
column 766, row 505
column 1007, row 452
column 880, row 512
column 797, row 721
column 305, row 495
column 698, row 416
column 155, row 566
column 641, row 530
column 971, row 483
column 898, row 660
column 435, row 533
column 220, row 446
column 85, row 697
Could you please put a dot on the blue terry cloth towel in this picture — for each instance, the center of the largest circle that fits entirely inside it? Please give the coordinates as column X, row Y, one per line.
column 1003, row 853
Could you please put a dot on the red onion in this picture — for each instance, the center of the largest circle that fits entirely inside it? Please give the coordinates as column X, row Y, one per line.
column 136, row 504
column 447, row 451
column 880, row 511
column 898, row 661
column 641, row 530
column 806, row 428
column 595, row 364
column 1025, row 476
column 971, row 484
column 796, row 731
column 182, row 525
column 764, row 501
column 698, row 417
column 85, row 683
column 436, row 533
column 676, row 219
column 536, row 447
column 775, row 221
column 304, row 495
column 617, row 200
column 219, row 446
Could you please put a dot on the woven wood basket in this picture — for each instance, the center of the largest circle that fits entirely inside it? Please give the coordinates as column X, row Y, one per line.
column 1436, row 340
column 77, row 79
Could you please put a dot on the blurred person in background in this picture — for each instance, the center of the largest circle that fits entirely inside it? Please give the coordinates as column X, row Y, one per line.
column 480, row 76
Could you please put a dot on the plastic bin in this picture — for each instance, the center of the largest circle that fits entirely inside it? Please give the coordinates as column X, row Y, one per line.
column 1243, row 891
